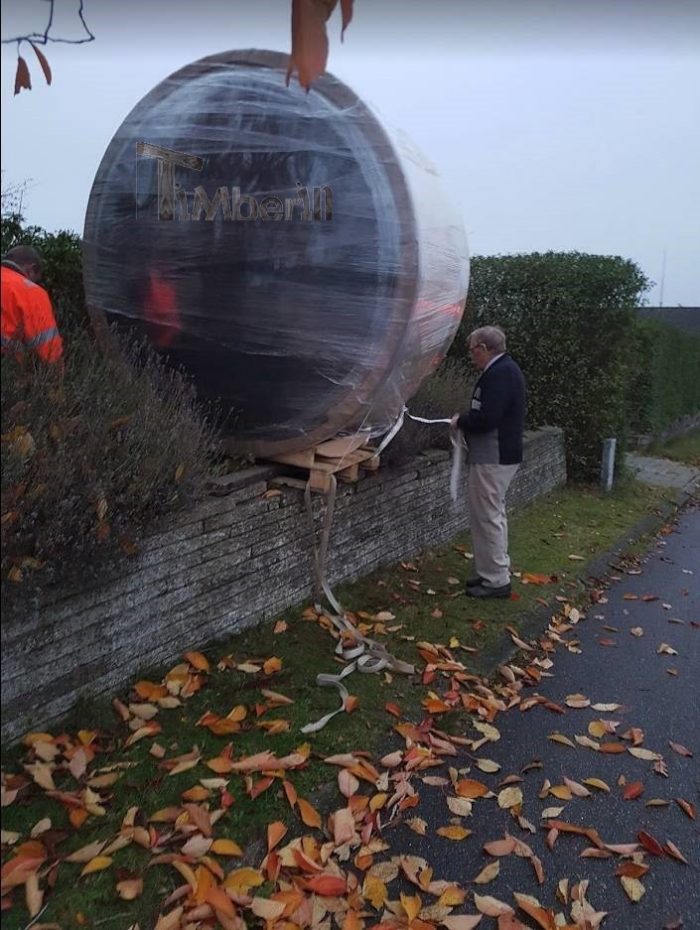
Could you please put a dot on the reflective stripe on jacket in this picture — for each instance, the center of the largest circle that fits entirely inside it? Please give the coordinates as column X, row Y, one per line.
column 27, row 321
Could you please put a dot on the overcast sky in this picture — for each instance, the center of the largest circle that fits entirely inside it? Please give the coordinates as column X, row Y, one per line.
column 556, row 124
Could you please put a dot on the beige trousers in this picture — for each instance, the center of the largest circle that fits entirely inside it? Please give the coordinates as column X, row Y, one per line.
column 487, row 486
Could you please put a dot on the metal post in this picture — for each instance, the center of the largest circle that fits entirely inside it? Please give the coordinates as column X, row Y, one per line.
column 607, row 469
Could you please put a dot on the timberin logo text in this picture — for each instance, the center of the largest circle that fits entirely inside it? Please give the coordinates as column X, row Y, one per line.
column 176, row 203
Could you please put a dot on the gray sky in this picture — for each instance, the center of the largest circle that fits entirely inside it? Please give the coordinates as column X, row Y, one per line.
column 556, row 124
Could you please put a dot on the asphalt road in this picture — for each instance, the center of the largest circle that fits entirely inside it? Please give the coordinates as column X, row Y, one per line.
column 659, row 693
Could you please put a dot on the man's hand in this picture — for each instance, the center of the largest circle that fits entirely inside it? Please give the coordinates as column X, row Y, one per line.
column 454, row 421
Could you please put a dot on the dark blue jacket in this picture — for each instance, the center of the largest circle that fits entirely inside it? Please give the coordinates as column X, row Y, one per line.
column 494, row 424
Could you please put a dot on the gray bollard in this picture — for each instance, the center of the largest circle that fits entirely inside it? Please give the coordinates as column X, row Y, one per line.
column 607, row 469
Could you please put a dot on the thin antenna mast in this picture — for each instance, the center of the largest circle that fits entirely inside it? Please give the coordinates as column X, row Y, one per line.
column 663, row 280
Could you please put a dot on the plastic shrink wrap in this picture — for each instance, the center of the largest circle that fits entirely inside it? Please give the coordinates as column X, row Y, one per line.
column 299, row 260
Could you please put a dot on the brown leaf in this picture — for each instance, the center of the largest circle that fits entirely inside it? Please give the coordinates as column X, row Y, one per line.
column 544, row 917
column 650, row 844
column 687, row 807
column 200, row 818
column 45, row 67
column 680, row 749
column 22, row 79
column 309, row 39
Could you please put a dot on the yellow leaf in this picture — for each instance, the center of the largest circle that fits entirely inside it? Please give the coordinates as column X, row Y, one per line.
column 452, row 897
column 488, row 873
column 377, row 801
column 272, row 665
column 97, row 865
column 561, row 792
column 309, row 814
column 454, row 832
column 411, row 905
column 242, row 880
column 225, row 847
column 560, row 738
column 487, row 765
column 487, row 730
column 510, row 797
column 374, row 890
column 634, row 889
column 645, row 754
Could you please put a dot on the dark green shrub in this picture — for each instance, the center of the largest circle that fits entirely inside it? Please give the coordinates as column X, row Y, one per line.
column 569, row 319
column 447, row 391
column 63, row 267
column 90, row 459
column 665, row 377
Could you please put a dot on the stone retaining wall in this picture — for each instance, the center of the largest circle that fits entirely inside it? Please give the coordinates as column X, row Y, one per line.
column 236, row 560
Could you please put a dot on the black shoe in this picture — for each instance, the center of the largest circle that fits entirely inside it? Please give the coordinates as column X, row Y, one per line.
column 482, row 590
column 473, row 582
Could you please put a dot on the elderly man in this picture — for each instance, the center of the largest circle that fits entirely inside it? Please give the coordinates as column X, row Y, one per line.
column 493, row 428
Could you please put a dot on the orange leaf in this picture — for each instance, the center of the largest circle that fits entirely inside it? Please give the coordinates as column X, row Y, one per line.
column 612, row 748
column 291, row 792
column 261, row 785
column 224, row 847
column 220, row 901
column 275, row 832
column 534, row 578
column 197, row 661
column 350, row 703
column 309, row 814
column 328, row 885
column 634, row 790
column 272, row 665
column 454, row 832
column 469, row 788
column 393, row 709
column 544, row 917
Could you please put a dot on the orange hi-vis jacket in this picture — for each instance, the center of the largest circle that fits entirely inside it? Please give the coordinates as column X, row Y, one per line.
column 27, row 321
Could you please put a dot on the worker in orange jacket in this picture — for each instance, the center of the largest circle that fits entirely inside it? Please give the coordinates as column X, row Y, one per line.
column 27, row 319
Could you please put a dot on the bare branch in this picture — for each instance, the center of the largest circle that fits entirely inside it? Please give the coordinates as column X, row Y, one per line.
column 43, row 38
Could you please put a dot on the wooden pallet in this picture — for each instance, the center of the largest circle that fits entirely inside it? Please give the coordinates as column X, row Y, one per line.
column 342, row 457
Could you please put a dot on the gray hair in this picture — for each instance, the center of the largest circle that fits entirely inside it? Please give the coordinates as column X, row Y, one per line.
column 492, row 337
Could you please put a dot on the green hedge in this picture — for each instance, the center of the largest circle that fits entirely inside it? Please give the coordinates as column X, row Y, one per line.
column 665, row 383
column 570, row 321
column 63, row 266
